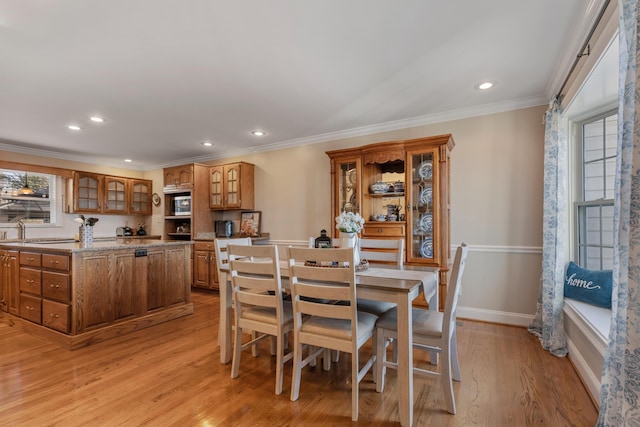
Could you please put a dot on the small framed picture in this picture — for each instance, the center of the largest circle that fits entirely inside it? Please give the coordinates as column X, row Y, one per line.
column 250, row 223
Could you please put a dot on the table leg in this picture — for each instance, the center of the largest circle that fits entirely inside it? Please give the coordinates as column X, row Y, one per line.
column 224, row 330
column 405, row 361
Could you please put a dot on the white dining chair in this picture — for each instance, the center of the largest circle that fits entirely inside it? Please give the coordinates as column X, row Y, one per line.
column 337, row 327
column 389, row 251
column 432, row 330
column 222, row 258
column 258, row 303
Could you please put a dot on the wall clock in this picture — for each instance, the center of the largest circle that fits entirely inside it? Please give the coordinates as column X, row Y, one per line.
column 155, row 198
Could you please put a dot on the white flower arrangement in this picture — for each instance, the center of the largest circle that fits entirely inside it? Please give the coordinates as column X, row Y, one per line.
column 349, row 222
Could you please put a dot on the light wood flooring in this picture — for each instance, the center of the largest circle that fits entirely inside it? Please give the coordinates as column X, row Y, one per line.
column 170, row 375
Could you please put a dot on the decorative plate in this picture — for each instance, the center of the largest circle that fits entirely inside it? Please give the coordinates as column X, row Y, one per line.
column 426, row 249
column 426, row 195
column 425, row 170
column 426, row 223
column 155, row 198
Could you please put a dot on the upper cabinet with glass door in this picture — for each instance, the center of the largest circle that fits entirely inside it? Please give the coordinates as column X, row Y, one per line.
column 231, row 186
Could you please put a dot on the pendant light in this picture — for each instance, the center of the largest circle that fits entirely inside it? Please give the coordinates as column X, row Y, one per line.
column 26, row 190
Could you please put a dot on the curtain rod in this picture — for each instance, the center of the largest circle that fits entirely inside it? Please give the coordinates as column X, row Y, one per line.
column 586, row 46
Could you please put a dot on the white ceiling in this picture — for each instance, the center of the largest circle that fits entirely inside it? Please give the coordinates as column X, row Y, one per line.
column 167, row 75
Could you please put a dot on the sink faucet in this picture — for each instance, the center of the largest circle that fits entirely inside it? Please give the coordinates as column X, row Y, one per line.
column 22, row 229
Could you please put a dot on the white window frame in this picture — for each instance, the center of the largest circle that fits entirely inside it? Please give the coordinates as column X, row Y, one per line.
column 56, row 200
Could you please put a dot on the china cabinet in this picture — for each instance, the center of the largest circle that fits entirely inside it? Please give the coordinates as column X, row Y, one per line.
column 231, row 186
column 401, row 189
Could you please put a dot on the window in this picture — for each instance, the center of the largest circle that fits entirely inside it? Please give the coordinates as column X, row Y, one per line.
column 27, row 196
column 595, row 208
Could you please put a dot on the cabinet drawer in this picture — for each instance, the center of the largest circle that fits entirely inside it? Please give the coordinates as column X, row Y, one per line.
column 30, row 281
column 31, row 259
column 384, row 230
column 55, row 262
column 31, row 308
column 203, row 246
column 56, row 286
column 55, row 315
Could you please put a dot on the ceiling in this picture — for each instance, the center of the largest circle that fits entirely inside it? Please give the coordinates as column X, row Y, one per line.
column 169, row 75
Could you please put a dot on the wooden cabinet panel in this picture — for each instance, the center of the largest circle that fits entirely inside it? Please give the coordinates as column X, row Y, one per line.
column 205, row 270
column 216, row 197
column 140, row 197
column 56, row 315
column 155, row 269
column 31, row 308
column 30, row 281
column 56, row 286
column 13, row 278
column 179, row 176
column 178, row 264
column 31, row 259
column 123, row 283
column 116, row 190
column 94, row 304
column 87, row 192
column 55, row 262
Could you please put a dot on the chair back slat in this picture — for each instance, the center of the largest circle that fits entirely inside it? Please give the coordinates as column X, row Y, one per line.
column 382, row 250
column 255, row 271
column 453, row 293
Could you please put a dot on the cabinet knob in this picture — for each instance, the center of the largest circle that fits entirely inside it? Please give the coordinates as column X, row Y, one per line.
column 379, row 230
column 54, row 261
column 30, row 259
column 29, row 281
column 54, row 315
column 54, row 286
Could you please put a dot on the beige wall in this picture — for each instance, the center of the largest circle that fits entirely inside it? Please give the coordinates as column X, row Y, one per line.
column 496, row 204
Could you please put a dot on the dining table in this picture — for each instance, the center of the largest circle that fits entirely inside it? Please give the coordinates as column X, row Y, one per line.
column 380, row 282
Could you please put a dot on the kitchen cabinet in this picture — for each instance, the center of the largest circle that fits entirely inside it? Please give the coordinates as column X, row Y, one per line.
column 45, row 289
column 401, row 189
column 141, row 191
column 180, row 225
column 87, row 192
column 104, row 194
column 179, row 176
column 9, row 282
column 205, row 271
column 115, row 195
column 231, row 186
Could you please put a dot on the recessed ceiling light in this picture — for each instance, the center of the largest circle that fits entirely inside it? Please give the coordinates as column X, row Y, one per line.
column 485, row 85
column 128, row 160
column 74, row 127
column 208, row 144
column 258, row 133
column 96, row 119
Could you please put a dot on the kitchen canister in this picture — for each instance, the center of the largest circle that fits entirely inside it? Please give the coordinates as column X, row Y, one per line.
column 86, row 236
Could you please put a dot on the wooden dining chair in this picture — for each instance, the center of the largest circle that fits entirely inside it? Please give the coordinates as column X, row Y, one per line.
column 389, row 251
column 258, row 302
column 318, row 325
column 222, row 258
column 432, row 330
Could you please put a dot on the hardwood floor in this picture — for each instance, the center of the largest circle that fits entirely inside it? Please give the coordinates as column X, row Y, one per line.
column 170, row 375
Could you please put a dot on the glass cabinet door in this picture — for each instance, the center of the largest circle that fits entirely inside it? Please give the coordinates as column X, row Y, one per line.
column 347, row 181
column 215, row 187
column 423, row 210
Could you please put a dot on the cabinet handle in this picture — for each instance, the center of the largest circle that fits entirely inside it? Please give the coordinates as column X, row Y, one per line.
column 379, row 230
column 30, row 259
column 54, row 261
column 54, row 286
column 29, row 281
column 54, row 315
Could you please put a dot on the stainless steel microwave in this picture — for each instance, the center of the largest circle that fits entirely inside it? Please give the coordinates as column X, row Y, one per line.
column 182, row 205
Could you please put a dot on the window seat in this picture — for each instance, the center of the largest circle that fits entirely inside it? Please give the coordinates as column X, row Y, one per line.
column 587, row 330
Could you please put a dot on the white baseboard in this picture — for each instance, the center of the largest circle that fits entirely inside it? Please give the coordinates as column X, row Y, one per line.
column 591, row 382
column 494, row 316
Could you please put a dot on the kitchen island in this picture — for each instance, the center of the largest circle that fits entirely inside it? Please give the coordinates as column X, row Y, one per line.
column 77, row 295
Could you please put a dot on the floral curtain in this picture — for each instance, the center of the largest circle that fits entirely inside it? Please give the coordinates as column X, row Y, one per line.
column 547, row 324
column 620, row 389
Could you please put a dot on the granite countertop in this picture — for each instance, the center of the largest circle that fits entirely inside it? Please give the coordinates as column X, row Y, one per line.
column 212, row 236
column 97, row 245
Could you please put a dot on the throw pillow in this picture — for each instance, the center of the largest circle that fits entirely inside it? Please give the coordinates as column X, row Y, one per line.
column 590, row 286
